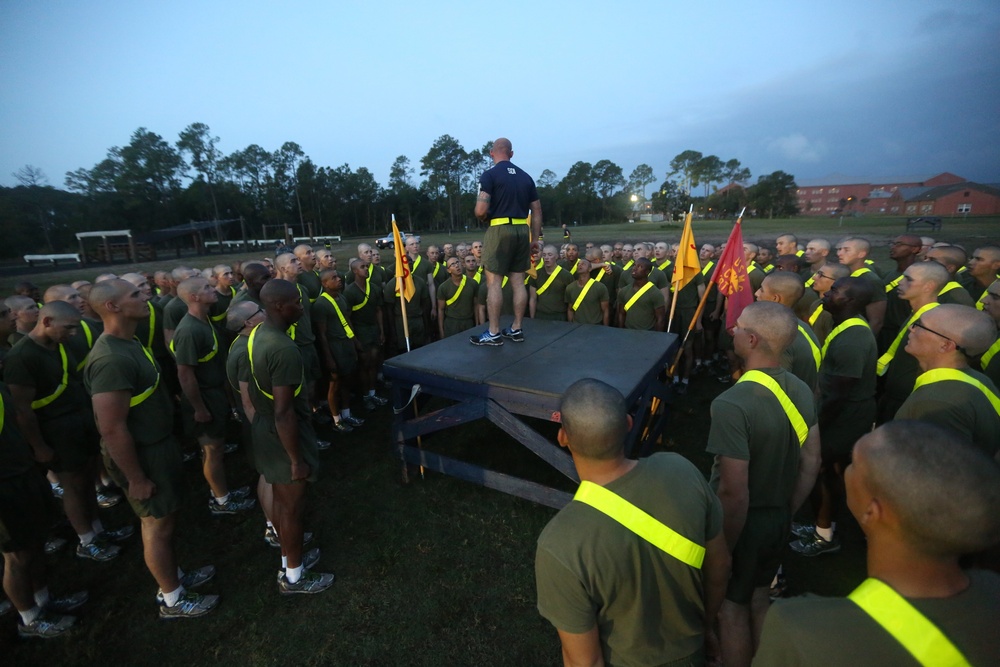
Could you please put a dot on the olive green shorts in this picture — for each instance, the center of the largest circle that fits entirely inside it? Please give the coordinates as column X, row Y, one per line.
column 215, row 400
column 758, row 552
column 345, row 355
column 161, row 462
column 506, row 249
column 27, row 510
column 310, row 362
column 367, row 334
column 74, row 439
column 270, row 456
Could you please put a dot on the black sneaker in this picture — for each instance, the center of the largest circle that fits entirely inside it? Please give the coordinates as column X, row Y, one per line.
column 98, row 550
column 67, row 603
column 232, row 506
column 513, row 335
column 487, row 338
column 118, row 535
column 322, row 445
column 271, row 537
column 46, row 626
column 341, row 427
column 106, row 499
column 190, row 605
column 352, row 421
column 309, row 583
column 196, row 578
column 815, row 545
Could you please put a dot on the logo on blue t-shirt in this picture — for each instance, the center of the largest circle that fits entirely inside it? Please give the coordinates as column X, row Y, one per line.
column 511, row 170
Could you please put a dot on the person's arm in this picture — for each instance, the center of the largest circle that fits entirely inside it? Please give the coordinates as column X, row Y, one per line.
column 715, row 577
column 27, row 421
column 569, row 312
column 701, row 292
column 287, row 426
column 809, row 460
column 480, row 314
column 432, row 292
column 532, row 300
column 192, row 392
column 440, row 317
column 482, row 206
column 621, row 314
column 834, row 399
column 111, row 414
column 248, row 409
column 581, row 650
column 875, row 312
column 734, row 494
column 605, row 313
column 661, row 317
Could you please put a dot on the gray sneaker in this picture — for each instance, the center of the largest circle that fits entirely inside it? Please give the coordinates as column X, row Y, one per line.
column 98, row 551
column 232, row 506
column 5, row 607
column 240, row 493
column 46, row 626
column 815, row 545
column 67, row 603
column 271, row 537
column 118, row 534
column 309, row 583
column 190, row 605
column 803, row 530
column 53, row 545
column 196, row 578
column 106, row 499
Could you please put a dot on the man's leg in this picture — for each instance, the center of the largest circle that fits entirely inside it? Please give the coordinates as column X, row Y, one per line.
column 520, row 295
column 213, row 466
column 494, row 299
column 17, row 578
column 289, row 505
column 759, row 605
column 734, row 634
column 265, row 495
column 158, row 550
column 79, row 500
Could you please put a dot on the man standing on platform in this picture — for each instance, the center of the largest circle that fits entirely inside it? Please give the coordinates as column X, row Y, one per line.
column 620, row 590
column 640, row 304
column 506, row 196
column 547, row 289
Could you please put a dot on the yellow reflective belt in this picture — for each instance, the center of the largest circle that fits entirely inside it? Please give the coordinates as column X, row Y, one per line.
column 458, row 293
column 815, row 314
column 944, row 374
column 508, row 221
column 254, row 375
column 846, row 324
column 989, row 354
column 893, row 284
column 708, row 267
column 809, row 283
column 642, row 524
column 552, row 276
column 628, row 265
column 583, row 293
column 90, row 343
column 949, row 287
column 860, row 272
column 794, row 416
column 921, row 638
column 207, row 357
column 886, row 359
column 817, row 354
column 295, row 325
column 42, row 402
column 635, row 297
column 343, row 320
column 140, row 398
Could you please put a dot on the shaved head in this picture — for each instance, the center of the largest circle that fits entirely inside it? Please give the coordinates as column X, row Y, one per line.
column 238, row 314
column 950, row 257
column 502, row 146
column 278, row 292
column 785, row 285
column 774, row 325
column 593, row 416
column 108, row 291
column 59, row 310
column 189, row 289
column 971, row 329
column 59, row 293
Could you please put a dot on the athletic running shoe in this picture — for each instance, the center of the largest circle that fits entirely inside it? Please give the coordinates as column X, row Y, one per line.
column 196, row 578
column 803, row 530
column 374, row 401
column 815, row 545
column 309, row 583
column 271, row 537
column 67, row 603
column 230, row 447
column 106, row 499
column 341, row 427
column 5, row 607
column 240, row 493
column 118, row 535
column 58, row 491
column 190, row 605
column 379, row 400
column 513, row 335
column 322, row 445
column 54, row 545
column 352, row 421
column 779, row 588
column 189, row 456
column 487, row 338
column 46, row 626
column 232, row 506
column 98, row 551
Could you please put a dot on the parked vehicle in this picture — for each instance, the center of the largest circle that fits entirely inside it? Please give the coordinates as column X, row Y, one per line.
column 389, row 242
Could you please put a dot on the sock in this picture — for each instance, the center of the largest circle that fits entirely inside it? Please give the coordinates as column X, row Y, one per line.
column 371, row 392
column 222, row 500
column 97, row 526
column 284, row 562
column 336, row 419
column 105, row 480
column 54, row 485
column 42, row 597
column 345, row 412
column 825, row 533
column 171, row 598
column 28, row 617
column 87, row 538
column 677, row 379
column 269, row 524
column 293, row 574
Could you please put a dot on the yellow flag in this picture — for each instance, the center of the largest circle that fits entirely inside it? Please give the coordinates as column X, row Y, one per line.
column 532, row 267
column 687, row 265
column 404, row 278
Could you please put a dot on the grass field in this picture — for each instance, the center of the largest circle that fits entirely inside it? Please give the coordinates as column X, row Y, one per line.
column 435, row 572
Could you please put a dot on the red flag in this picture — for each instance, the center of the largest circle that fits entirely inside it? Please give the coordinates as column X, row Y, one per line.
column 731, row 276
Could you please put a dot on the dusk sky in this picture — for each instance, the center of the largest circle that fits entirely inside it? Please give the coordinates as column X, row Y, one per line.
column 870, row 90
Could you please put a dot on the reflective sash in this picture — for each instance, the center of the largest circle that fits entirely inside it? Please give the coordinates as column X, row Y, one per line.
column 843, row 326
column 949, row 287
column 794, row 416
column 817, row 354
column 708, row 267
column 815, row 314
column 893, row 285
column 635, row 297
column 304, row 296
column 583, row 293
column 576, row 265
column 809, row 283
column 860, row 272
column 45, row 400
column 90, row 343
column 921, row 638
column 343, row 320
column 508, row 221
column 628, row 265
column 416, row 264
column 541, row 290
column 886, row 359
column 141, row 397
column 368, row 289
column 479, row 275
column 799, row 253
column 989, row 354
column 221, row 316
column 437, row 267
column 458, row 293
column 642, row 524
column 944, row 374
column 665, row 264
column 152, row 324
column 253, row 333
column 207, row 357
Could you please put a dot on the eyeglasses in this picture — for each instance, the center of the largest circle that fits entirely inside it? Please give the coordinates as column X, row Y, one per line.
column 920, row 325
column 820, row 274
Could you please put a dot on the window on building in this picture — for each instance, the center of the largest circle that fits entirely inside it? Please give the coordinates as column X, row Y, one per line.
column 965, row 208
column 834, row 191
column 911, row 208
column 927, row 208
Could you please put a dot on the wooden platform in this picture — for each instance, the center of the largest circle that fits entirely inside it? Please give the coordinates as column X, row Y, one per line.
column 525, row 379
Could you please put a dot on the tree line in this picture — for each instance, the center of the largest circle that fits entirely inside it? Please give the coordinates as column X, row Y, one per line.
column 151, row 184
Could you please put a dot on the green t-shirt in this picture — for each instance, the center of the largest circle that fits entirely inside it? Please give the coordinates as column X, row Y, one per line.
column 749, row 424
column 16, row 455
column 590, row 311
column 153, row 324
column 463, row 308
column 123, row 365
column 217, row 312
column 302, row 331
column 275, row 361
column 28, row 364
column 878, row 286
column 642, row 313
column 611, row 283
column 799, row 358
column 850, row 354
column 238, row 365
column 173, row 313
column 310, row 280
column 364, row 302
column 323, row 312
column 687, row 299
column 811, row 631
column 196, row 343
column 656, row 276
column 549, row 300
column 589, row 569
column 958, row 406
column 81, row 342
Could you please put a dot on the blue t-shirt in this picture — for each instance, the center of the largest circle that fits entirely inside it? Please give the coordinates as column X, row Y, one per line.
column 511, row 190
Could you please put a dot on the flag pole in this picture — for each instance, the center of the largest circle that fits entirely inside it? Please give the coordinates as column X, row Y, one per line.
column 673, row 292
column 400, row 280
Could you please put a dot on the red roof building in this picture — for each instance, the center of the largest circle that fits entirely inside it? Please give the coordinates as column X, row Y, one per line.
column 851, row 198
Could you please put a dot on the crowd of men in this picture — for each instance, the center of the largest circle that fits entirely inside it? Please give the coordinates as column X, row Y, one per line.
column 848, row 385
